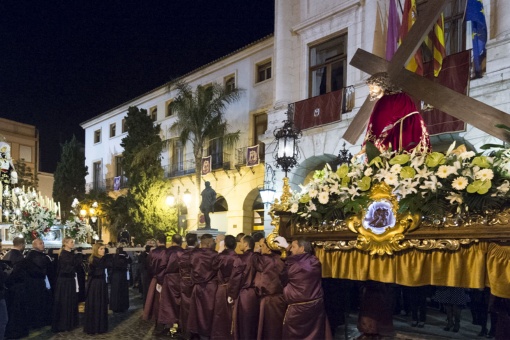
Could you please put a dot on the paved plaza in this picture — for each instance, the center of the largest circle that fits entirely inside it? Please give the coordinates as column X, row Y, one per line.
column 129, row 325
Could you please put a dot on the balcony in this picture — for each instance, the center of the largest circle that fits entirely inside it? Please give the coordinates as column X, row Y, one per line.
column 108, row 184
column 324, row 109
column 241, row 154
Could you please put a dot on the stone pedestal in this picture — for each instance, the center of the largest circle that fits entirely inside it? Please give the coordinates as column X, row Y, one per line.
column 200, row 232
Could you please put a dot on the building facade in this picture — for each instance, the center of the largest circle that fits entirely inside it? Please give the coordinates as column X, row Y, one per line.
column 304, row 65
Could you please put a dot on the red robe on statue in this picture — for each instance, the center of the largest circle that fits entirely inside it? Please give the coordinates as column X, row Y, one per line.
column 246, row 311
column 171, row 288
column 157, row 262
column 184, row 262
column 203, row 276
column 396, row 122
column 305, row 317
column 270, row 290
column 230, row 271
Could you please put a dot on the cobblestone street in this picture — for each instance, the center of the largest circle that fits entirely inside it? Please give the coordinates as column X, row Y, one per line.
column 129, row 325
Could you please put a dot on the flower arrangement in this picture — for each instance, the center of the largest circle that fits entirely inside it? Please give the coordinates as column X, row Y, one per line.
column 77, row 227
column 457, row 182
column 32, row 221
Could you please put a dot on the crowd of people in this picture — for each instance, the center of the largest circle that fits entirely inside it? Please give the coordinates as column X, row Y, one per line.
column 216, row 288
column 233, row 288
column 39, row 289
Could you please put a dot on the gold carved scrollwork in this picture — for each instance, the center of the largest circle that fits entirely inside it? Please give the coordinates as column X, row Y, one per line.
column 380, row 227
column 275, row 222
column 437, row 244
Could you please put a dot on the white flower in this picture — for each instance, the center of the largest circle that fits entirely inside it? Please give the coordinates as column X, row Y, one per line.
column 467, row 155
column 431, row 185
column 445, row 170
column 504, row 187
column 75, row 203
column 323, row 197
column 396, row 168
column 368, row 172
column 353, row 191
column 381, row 174
column 294, row 208
column 460, row 183
column 484, row 174
column 454, row 198
column 334, row 189
column 417, row 161
column 313, row 193
column 391, row 179
column 311, row 206
column 423, row 173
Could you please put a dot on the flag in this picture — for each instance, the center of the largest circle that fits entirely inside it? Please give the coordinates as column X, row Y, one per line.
column 252, row 155
column 393, row 30
column 475, row 14
column 436, row 45
column 408, row 18
column 206, row 165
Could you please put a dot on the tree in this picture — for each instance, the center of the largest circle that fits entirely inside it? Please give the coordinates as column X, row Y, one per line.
column 26, row 177
column 70, row 176
column 147, row 189
column 201, row 118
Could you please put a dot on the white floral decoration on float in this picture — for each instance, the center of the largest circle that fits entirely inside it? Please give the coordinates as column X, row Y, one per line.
column 455, row 183
column 31, row 219
column 77, row 227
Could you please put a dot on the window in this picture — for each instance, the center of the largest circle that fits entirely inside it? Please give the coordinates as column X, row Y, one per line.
column 263, row 71
column 119, row 171
column 97, row 175
column 112, row 130
column 25, row 152
column 177, row 157
column 230, row 83
column 154, row 114
column 169, row 112
column 259, row 128
column 328, row 62
column 216, row 152
column 97, row 136
column 124, row 127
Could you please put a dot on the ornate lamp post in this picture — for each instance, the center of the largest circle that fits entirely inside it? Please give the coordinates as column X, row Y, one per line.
column 286, row 153
column 267, row 191
column 91, row 215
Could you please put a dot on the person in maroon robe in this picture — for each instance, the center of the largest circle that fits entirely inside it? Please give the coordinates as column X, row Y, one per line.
column 203, row 275
column 157, row 262
column 184, row 262
column 395, row 121
column 171, row 288
column 230, row 270
column 305, row 317
column 270, row 290
column 246, row 311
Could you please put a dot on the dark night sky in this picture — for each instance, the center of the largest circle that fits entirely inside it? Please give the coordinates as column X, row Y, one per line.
column 63, row 62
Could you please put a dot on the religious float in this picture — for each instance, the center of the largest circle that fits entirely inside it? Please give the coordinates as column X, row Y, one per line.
column 407, row 218
column 24, row 212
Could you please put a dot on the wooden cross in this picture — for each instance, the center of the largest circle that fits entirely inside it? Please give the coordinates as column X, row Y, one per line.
column 465, row 108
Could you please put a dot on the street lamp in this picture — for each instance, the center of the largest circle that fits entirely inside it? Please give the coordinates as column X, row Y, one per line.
column 171, row 200
column 91, row 215
column 287, row 153
column 267, row 191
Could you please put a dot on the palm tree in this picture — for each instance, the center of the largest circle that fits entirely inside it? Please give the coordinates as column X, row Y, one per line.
column 201, row 118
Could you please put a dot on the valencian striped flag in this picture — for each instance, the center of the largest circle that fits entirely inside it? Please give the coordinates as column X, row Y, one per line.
column 436, row 45
column 408, row 18
column 393, row 30
column 475, row 14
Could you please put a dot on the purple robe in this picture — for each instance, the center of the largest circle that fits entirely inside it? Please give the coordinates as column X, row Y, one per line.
column 186, row 287
column 375, row 314
column 157, row 262
column 305, row 317
column 270, row 290
column 246, row 311
column 201, row 306
column 171, row 288
column 230, row 271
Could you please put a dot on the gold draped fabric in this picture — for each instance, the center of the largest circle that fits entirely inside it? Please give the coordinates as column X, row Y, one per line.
column 498, row 270
column 475, row 266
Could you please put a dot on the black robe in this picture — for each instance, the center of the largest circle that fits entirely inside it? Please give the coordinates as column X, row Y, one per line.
column 143, row 267
column 40, row 297
column 16, row 296
column 80, row 274
column 65, row 303
column 96, row 302
column 119, row 298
